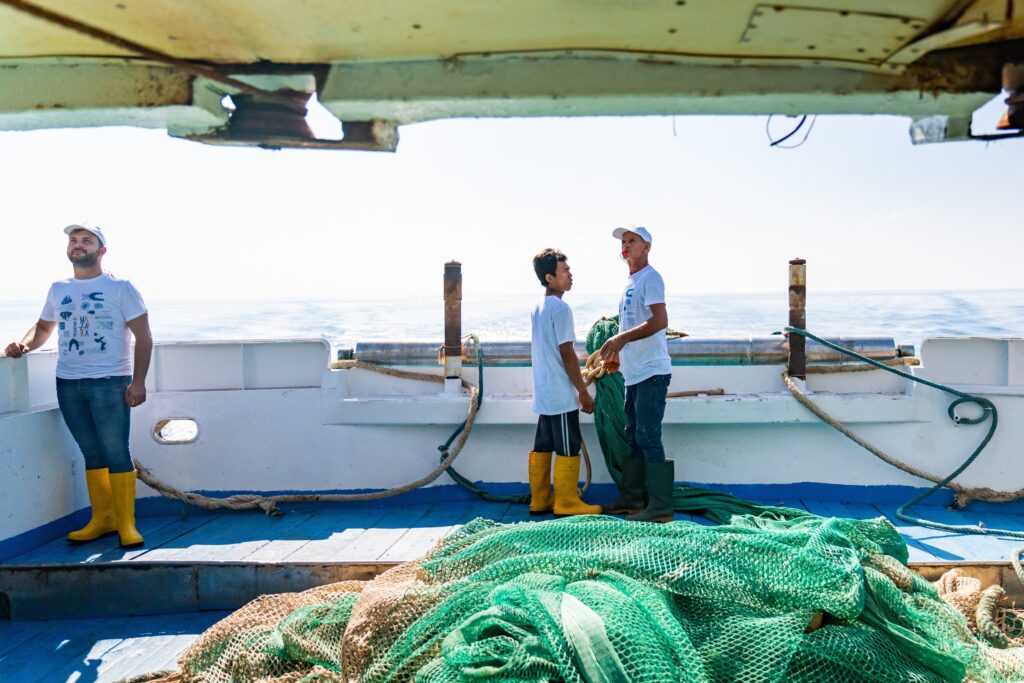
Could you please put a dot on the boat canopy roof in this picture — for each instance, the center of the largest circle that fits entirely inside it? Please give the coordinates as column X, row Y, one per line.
column 380, row 63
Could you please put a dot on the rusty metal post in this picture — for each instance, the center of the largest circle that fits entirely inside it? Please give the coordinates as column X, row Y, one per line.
column 452, row 351
column 1013, row 83
column 798, row 318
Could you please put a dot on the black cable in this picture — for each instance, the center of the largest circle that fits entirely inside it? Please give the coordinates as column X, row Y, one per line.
column 796, row 129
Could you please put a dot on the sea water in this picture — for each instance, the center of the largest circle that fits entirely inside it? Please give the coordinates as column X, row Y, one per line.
column 908, row 317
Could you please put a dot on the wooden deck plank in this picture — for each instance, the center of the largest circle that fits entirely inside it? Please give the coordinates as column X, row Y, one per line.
column 321, row 525
column 943, row 545
column 432, row 527
column 978, row 547
column 347, row 529
column 488, row 510
column 165, row 659
column 101, row 649
column 14, row 635
column 517, row 512
column 156, row 530
column 397, row 533
column 822, row 508
column 369, row 546
column 146, row 653
column 224, row 539
column 799, row 504
column 264, row 531
column 996, row 520
column 134, row 653
column 165, row 535
column 71, row 651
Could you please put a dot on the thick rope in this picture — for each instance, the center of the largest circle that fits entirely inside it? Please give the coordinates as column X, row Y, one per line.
column 269, row 503
column 985, row 616
column 595, row 368
column 964, row 494
column 838, row 369
column 515, row 498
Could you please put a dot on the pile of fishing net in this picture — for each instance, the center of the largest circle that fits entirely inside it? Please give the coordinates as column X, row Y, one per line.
column 773, row 594
column 601, row 599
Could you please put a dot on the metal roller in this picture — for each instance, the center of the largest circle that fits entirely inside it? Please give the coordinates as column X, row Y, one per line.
column 686, row 351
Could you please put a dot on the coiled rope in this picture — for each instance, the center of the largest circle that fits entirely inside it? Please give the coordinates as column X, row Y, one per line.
column 964, row 494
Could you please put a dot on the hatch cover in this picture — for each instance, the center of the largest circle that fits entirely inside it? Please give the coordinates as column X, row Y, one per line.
column 812, row 33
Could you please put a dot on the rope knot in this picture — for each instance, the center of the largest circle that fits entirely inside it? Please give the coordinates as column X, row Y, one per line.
column 961, row 499
column 270, row 507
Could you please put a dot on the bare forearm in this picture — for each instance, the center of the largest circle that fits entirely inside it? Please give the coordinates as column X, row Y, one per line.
column 656, row 323
column 143, row 353
column 36, row 336
column 572, row 369
column 642, row 331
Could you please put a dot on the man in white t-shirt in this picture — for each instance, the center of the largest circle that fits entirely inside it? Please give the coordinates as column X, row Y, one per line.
column 559, row 394
column 641, row 349
column 93, row 313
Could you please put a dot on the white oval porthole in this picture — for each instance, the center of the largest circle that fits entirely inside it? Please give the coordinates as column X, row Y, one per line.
column 175, row 430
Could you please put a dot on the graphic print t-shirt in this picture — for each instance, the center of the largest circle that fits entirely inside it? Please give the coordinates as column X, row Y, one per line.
column 643, row 358
column 552, row 323
column 91, row 331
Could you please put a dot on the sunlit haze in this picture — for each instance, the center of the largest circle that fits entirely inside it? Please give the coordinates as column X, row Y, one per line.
column 868, row 210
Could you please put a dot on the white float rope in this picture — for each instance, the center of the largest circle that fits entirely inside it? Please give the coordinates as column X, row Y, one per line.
column 247, row 501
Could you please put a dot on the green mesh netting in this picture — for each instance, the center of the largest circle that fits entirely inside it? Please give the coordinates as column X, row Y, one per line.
column 601, row 599
column 610, row 423
column 773, row 594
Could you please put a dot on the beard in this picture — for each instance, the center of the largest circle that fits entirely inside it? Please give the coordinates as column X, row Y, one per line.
column 84, row 260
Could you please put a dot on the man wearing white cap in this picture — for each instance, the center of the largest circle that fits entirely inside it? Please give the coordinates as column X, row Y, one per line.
column 93, row 313
column 641, row 349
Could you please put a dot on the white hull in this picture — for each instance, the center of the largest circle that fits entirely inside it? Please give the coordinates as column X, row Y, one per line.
column 273, row 418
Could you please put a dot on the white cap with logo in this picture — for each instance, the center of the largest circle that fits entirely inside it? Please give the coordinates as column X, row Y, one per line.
column 644, row 233
column 88, row 227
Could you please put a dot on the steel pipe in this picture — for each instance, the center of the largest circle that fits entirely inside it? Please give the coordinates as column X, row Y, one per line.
column 686, row 351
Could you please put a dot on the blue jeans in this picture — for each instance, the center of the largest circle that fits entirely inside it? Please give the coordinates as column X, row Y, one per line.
column 645, row 409
column 99, row 419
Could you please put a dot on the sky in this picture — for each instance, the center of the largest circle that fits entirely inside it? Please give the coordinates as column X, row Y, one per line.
column 868, row 210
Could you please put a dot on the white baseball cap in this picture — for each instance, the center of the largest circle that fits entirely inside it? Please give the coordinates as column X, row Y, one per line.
column 88, row 227
column 617, row 233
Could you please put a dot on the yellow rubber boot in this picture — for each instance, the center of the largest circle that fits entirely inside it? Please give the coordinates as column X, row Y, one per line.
column 567, row 497
column 122, row 484
column 103, row 522
column 541, row 500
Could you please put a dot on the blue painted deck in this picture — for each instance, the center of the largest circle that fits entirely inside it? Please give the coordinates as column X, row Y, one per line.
column 395, row 533
column 84, row 650
column 110, row 649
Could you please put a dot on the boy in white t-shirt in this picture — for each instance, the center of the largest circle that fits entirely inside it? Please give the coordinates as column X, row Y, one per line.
column 559, row 394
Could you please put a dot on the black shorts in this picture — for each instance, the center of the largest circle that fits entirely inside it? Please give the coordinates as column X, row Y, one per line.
column 558, row 434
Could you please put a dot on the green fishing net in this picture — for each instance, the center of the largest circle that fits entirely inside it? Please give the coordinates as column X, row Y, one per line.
column 772, row 594
column 601, row 599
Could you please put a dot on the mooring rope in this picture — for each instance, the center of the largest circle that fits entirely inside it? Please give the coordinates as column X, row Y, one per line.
column 449, row 452
column 964, row 494
column 268, row 504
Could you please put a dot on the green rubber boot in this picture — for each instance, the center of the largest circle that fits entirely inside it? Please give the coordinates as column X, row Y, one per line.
column 631, row 491
column 660, row 480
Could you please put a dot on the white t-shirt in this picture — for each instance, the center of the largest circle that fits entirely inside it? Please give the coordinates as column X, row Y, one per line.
column 643, row 358
column 553, row 326
column 91, row 330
